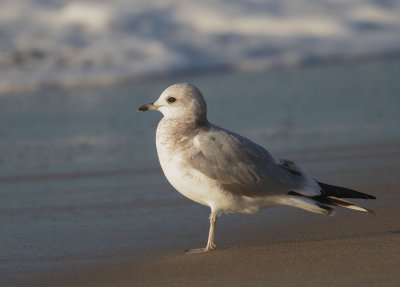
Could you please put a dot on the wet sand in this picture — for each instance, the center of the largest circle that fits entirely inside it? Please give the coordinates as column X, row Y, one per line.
column 349, row 249
column 84, row 203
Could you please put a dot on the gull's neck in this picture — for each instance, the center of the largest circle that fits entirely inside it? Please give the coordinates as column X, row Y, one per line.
column 175, row 133
column 184, row 126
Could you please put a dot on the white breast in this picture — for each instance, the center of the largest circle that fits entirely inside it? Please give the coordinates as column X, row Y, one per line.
column 197, row 186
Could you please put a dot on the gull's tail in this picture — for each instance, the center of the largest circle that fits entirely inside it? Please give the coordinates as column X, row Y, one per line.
column 332, row 195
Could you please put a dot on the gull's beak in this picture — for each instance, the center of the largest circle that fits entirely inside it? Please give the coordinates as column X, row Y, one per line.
column 147, row 107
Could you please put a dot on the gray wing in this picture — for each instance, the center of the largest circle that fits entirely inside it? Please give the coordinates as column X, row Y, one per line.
column 245, row 168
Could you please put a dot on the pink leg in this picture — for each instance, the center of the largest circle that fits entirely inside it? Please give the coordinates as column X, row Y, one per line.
column 210, row 243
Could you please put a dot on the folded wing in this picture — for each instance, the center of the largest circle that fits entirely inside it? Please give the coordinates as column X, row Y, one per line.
column 245, row 168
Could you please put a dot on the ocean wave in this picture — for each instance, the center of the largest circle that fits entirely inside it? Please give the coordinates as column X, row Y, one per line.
column 71, row 43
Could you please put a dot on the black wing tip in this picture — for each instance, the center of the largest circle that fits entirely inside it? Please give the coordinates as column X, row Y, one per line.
column 291, row 192
column 342, row 192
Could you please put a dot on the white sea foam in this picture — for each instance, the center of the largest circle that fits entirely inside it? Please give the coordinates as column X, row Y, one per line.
column 69, row 43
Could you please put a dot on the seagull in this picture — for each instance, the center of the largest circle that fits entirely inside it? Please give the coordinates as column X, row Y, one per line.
column 228, row 172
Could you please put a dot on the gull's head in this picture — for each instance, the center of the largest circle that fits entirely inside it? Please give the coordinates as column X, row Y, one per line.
column 180, row 101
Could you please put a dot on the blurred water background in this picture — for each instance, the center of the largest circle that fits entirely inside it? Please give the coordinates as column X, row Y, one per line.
column 67, row 43
column 79, row 174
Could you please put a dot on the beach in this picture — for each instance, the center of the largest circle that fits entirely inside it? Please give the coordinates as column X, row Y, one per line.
column 84, row 201
column 345, row 250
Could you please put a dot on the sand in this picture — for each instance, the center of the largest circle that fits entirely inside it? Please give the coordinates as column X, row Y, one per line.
column 348, row 258
column 348, row 249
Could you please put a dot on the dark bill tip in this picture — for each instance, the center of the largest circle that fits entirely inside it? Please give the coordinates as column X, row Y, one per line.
column 146, row 107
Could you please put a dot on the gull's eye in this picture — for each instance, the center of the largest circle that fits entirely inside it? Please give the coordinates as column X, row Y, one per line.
column 171, row 100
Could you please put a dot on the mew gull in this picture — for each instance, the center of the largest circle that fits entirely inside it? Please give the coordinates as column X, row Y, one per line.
column 228, row 172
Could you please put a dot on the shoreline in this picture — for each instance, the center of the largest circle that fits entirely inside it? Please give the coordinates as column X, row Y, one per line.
column 112, row 81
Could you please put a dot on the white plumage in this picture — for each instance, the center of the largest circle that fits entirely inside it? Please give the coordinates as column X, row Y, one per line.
column 228, row 172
